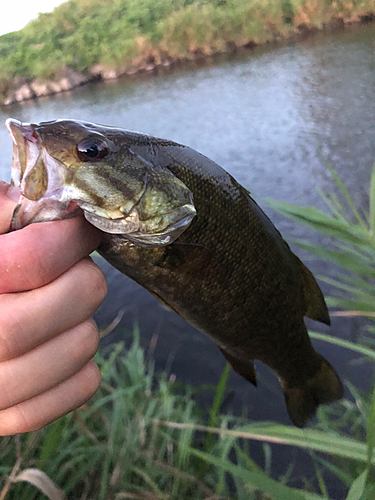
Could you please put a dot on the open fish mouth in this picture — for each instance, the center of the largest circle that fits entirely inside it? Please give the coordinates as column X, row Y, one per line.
column 38, row 179
column 47, row 192
column 25, row 149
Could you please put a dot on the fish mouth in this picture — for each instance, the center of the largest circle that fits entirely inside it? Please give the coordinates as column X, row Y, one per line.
column 36, row 178
column 26, row 149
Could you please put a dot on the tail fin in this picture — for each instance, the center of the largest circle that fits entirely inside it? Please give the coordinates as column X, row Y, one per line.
column 324, row 387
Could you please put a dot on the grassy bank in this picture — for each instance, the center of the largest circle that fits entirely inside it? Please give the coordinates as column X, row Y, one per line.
column 112, row 37
column 140, row 438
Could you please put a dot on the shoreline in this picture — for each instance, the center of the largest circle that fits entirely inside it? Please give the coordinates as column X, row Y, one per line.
column 152, row 62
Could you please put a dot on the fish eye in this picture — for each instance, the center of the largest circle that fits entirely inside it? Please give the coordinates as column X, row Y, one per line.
column 92, row 149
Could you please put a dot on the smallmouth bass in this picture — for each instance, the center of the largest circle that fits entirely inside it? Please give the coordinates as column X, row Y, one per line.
column 184, row 229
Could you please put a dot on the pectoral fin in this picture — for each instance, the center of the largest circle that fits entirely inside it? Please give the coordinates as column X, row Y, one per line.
column 244, row 368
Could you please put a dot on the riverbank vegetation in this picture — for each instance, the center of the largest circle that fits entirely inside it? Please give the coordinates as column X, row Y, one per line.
column 143, row 437
column 112, row 37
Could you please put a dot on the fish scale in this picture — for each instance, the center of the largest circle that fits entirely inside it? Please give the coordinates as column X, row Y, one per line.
column 228, row 271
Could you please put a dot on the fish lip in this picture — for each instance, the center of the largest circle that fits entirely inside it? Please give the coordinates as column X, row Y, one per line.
column 27, row 130
column 26, row 149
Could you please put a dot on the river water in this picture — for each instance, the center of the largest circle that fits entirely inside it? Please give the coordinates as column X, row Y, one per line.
column 270, row 117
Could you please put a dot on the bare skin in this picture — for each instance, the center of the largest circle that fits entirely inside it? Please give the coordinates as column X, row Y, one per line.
column 48, row 291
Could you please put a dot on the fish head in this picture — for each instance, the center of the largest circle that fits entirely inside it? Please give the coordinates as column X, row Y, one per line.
column 62, row 166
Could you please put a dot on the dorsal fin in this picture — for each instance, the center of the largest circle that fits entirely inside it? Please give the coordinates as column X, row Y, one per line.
column 315, row 306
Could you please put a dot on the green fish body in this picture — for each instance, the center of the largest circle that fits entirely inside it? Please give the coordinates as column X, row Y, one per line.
column 184, row 229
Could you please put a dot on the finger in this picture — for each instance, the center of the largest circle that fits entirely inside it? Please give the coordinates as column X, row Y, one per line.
column 39, row 253
column 7, row 207
column 47, row 365
column 43, row 409
column 30, row 318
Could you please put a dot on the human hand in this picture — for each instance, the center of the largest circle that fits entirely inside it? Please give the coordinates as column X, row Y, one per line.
column 48, row 292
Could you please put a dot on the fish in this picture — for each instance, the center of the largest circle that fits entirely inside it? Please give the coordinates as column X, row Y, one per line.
column 183, row 228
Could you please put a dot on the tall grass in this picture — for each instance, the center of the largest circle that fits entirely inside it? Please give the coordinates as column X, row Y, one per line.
column 139, row 438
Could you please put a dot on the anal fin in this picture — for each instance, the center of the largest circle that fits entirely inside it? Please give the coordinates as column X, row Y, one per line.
column 244, row 368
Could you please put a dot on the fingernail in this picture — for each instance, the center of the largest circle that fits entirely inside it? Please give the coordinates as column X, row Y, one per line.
column 14, row 193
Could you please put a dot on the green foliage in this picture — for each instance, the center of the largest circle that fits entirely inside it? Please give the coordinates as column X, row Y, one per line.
column 119, row 446
column 138, row 438
column 112, row 444
column 288, row 11
column 122, row 34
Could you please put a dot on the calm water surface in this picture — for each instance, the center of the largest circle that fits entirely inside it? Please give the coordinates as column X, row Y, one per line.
column 268, row 117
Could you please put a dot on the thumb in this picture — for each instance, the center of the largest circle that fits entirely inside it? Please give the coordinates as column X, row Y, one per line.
column 7, row 206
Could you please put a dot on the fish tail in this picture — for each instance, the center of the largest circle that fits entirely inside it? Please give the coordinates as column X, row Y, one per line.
column 324, row 387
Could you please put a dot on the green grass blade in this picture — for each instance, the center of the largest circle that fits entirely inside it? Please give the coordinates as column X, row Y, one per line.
column 150, row 482
column 322, row 222
column 320, row 478
column 51, row 441
column 370, row 438
column 216, row 405
column 333, row 204
column 257, row 480
column 364, row 252
column 362, row 300
column 245, row 459
column 344, row 260
column 343, row 343
column 336, row 470
column 372, row 202
column 310, row 439
column 108, row 364
column 347, row 197
column 357, row 489
column 366, row 310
